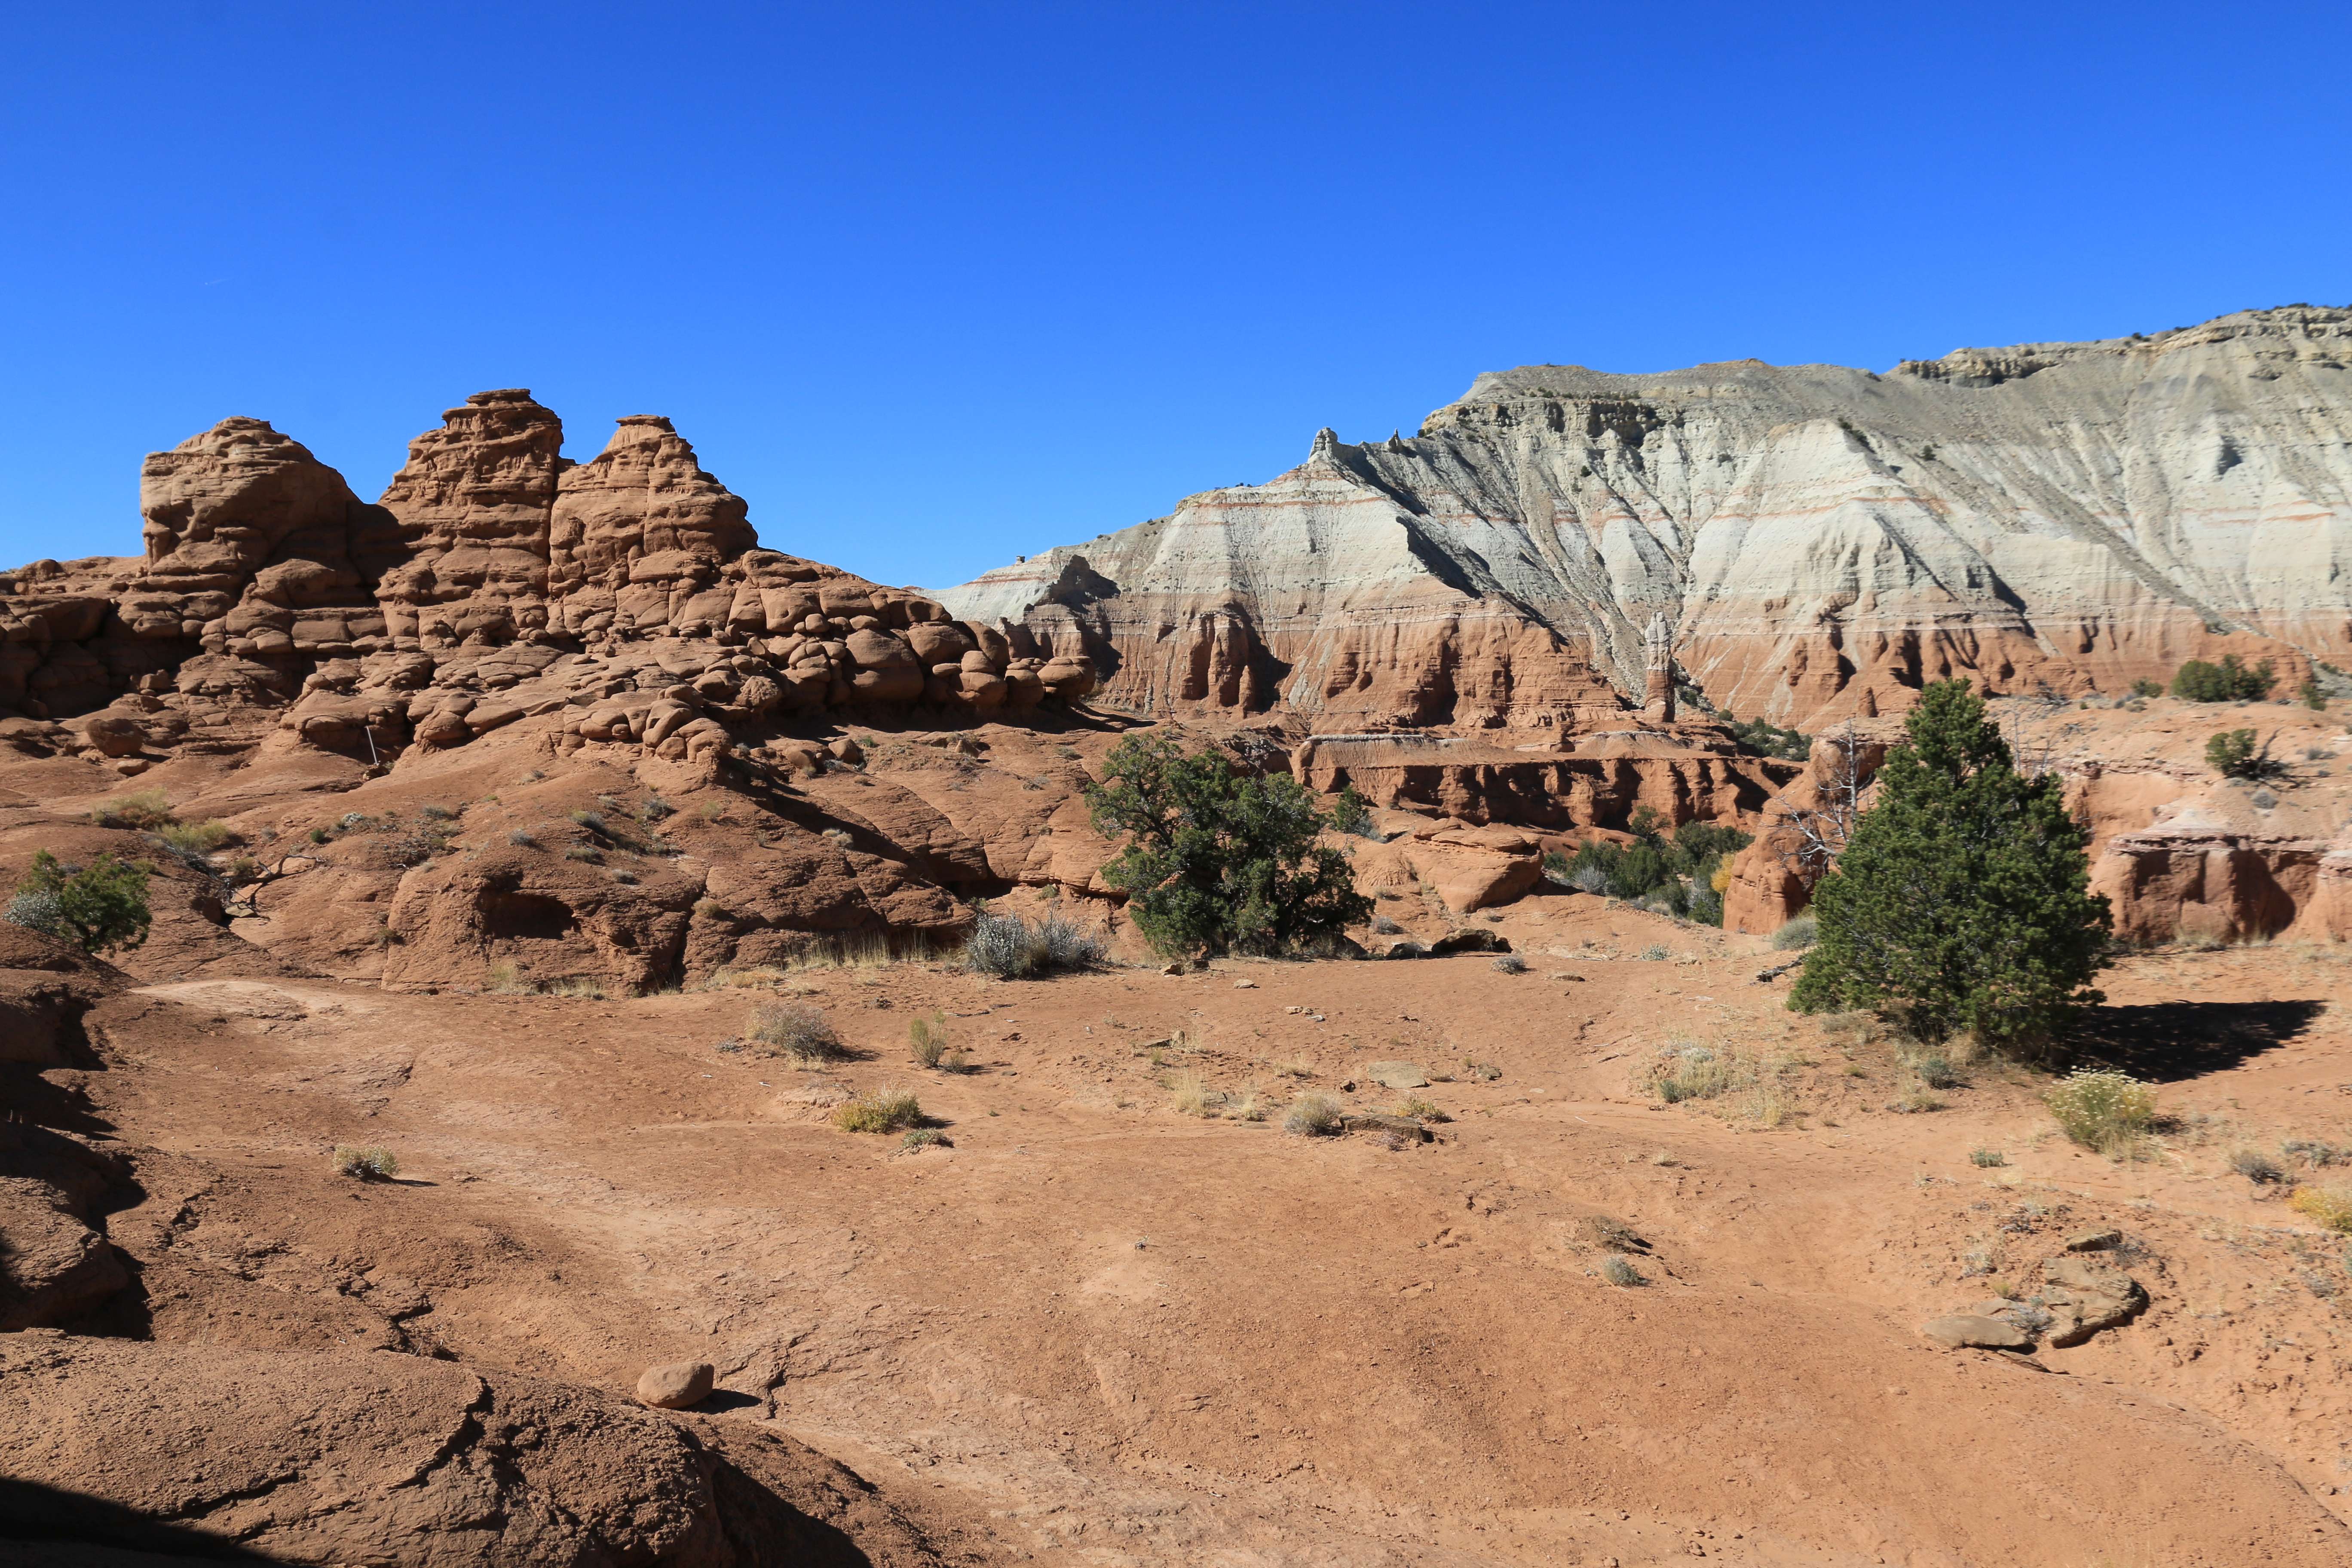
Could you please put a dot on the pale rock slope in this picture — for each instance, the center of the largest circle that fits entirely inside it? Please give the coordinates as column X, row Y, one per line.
column 1821, row 539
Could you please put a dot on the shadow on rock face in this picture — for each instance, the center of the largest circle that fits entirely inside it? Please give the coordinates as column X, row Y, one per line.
column 2169, row 1041
column 45, row 1526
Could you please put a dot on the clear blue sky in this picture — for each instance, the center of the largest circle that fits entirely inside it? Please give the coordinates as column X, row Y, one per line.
column 933, row 286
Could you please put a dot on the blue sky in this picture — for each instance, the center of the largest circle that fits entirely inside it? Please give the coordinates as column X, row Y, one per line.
column 933, row 286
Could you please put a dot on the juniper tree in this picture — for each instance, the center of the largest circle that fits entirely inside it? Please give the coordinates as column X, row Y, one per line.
column 1962, row 901
column 1218, row 860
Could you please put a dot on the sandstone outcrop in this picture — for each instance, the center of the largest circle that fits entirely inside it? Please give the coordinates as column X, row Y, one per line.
column 1821, row 541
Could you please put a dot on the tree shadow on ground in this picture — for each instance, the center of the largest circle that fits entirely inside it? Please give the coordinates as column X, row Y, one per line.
column 2165, row 1042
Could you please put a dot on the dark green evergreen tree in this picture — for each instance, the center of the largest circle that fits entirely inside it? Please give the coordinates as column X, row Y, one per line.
column 101, row 907
column 1962, row 901
column 1218, row 860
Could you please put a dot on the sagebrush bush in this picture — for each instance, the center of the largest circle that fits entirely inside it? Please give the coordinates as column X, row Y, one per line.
column 2256, row 1167
column 2103, row 1109
column 797, row 1031
column 366, row 1163
column 1796, row 934
column 1312, row 1116
column 1618, row 1270
column 880, row 1110
column 1510, row 963
column 1009, row 948
column 1987, row 1159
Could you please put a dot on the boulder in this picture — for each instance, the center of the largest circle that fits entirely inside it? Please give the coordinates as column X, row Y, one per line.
column 677, row 1385
column 2085, row 1293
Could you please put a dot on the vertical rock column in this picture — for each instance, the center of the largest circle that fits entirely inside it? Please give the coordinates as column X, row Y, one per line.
column 1658, row 694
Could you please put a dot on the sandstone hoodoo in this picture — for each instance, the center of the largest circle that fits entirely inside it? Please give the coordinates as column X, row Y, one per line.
column 1821, row 540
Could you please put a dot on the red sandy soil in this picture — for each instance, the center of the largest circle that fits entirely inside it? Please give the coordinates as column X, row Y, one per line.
column 1099, row 1331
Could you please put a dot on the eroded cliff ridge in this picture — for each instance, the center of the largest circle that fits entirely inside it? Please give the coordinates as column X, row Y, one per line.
column 1821, row 539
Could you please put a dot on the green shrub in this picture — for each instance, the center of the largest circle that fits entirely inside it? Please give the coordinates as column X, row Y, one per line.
column 1767, row 738
column 2311, row 696
column 2233, row 755
column 1353, row 814
column 1619, row 1270
column 1217, row 860
column 2103, row 1109
column 2146, row 688
column 1987, row 1159
column 1962, row 899
column 99, row 908
column 1680, row 871
column 880, row 1110
column 2228, row 681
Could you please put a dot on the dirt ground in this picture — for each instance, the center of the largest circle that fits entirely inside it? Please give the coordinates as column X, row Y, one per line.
column 1113, row 1332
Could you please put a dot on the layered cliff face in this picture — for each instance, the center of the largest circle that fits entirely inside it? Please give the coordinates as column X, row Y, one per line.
column 1820, row 540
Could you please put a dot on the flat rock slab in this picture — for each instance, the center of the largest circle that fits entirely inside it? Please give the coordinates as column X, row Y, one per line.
column 1401, row 1126
column 1398, row 1075
column 1967, row 1330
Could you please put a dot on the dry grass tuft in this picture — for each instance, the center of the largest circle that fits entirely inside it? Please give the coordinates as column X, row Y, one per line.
column 1192, row 1095
column 880, row 1110
column 1312, row 1116
column 367, row 1163
column 2330, row 1205
column 1743, row 1082
column 141, row 808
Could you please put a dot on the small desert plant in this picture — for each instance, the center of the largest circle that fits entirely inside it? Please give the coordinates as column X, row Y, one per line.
column 1383, row 926
column 144, row 808
column 1353, row 814
column 923, row 1137
column 2233, row 755
column 1915, row 1102
column 1484, row 1072
column 797, row 1031
column 1656, row 952
column 1618, row 1270
column 318, row 836
column 655, row 809
column 1936, row 1072
column 878, row 1111
column 586, row 852
column 2330, row 1205
column 435, row 813
column 366, row 1163
column 100, row 906
column 2103, row 1109
column 2315, row 1153
column 1421, row 1110
column 1987, row 1159
column 928, row 1039
column 195, row 837
column 2257, row 1167
column 2145, row 688
column 1510, row 963
column 506, row 979
column 523, row 839
column 1312, row 1116
column 1795, row 935
column 590, row 820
